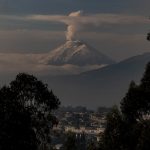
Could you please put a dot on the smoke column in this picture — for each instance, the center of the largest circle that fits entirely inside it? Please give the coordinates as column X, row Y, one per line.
column 72, row 27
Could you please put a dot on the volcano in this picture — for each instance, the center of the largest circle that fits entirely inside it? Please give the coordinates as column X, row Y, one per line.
column 76, row 53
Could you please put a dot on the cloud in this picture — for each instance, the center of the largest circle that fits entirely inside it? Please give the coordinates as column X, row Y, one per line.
column 15, row 62
column 94, row 19
column 29, row 41
column 117, row 45
column 123, row 45
column 77, row 21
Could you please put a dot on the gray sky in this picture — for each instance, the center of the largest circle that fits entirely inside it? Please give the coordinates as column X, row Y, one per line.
column 117, row 28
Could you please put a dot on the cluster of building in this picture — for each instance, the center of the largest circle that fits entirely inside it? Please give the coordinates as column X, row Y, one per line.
column 79, row 121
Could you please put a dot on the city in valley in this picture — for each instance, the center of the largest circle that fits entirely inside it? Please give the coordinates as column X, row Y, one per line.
column 84, row 123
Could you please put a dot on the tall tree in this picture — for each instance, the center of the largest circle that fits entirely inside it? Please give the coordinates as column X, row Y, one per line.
column 112, row 137
column 131, row 103
column 25, row 114
column 148, row 36
column 70, row 142
column 129, row 129
column 136, row 104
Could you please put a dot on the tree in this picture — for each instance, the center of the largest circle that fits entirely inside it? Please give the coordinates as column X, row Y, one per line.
column 112, row 136
column 70, row 142
column 131, row 103
column 144, row 138
column 25, row 114
column 92, row 145
column 136, row 104
column 15, row 124
column 148, row 36
column 129, row 127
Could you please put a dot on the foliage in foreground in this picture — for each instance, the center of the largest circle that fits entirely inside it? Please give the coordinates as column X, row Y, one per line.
column 129, row 127
column 25, row 114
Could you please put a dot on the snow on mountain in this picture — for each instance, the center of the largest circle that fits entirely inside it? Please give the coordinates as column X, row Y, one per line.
column 76, row 53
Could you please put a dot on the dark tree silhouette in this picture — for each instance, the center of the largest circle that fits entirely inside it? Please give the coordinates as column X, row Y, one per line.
column 148, row 36
column 92, row 146
column 144, row 138
column 25, row 114
column 131, row 103
column 111, row 139
column 70, row 142
column 129, row 129
column 136, row 103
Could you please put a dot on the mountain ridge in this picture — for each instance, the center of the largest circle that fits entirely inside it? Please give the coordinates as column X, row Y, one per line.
column 101, row 87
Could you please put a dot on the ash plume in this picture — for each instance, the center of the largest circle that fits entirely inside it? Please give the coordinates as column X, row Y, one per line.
column 72, row 26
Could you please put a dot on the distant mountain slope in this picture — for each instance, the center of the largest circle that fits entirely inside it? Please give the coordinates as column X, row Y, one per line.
column 105, row 86
column 76, row 53
column 132, row 66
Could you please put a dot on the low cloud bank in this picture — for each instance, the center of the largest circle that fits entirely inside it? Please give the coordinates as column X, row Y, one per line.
column 14, row 63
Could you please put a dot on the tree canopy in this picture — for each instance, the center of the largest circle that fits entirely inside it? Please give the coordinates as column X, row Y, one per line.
column 129, row 127
column 26, row 106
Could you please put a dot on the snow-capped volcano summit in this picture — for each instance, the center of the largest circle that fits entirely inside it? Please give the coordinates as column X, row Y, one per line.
column 76, row 53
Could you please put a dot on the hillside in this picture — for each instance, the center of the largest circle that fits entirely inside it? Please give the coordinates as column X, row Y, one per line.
column 105, row 86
